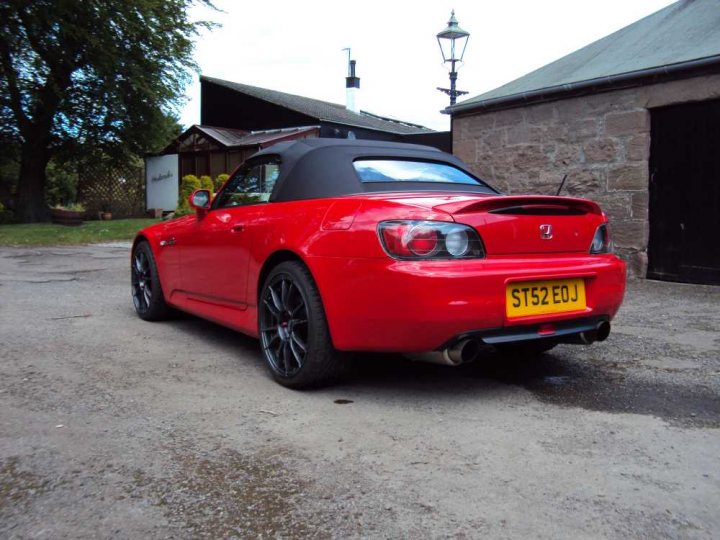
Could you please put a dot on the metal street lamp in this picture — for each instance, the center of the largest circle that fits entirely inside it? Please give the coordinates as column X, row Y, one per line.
column 452, row 41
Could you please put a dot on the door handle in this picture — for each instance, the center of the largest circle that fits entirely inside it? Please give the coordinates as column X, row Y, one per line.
column 237, row 228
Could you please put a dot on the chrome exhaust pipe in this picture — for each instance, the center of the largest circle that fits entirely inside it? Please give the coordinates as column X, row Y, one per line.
column 462, row 352
column 600, row 333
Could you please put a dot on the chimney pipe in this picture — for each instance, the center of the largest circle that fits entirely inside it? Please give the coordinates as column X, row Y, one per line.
column 352, row 87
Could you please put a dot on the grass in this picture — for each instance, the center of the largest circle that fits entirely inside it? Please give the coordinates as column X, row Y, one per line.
column 90, row 232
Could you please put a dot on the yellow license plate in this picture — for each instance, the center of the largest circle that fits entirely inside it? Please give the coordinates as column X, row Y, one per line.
column 542, row 297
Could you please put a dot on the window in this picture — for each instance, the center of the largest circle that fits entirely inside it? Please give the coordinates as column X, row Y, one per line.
column 252, row 184
column 394, row 170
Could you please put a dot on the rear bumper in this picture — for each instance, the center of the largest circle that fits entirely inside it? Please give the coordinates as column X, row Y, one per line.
column 406, row 306
column 566, row 331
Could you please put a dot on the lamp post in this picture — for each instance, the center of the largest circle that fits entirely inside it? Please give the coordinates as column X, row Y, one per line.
column 452, row 41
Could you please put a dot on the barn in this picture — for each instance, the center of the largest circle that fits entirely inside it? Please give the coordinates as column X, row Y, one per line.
column 234, row 105
column 237, row 120
column 633, row 120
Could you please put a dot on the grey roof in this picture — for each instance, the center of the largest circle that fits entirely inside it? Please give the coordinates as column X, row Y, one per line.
column 323, row 110
column 236, row 137
column 678, row 38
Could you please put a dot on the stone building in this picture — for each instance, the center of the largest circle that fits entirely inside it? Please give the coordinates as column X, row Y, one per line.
column 634, row 121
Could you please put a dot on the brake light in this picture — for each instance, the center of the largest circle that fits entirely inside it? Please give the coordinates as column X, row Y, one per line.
column 430, row 240
column 422, row 241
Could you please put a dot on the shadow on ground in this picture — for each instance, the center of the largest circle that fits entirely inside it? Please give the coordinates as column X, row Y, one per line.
column 568, row 376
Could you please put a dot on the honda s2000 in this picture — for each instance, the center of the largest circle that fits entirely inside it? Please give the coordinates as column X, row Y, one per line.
column 320, row 247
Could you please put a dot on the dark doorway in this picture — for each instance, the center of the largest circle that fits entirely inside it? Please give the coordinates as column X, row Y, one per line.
column 685, row 193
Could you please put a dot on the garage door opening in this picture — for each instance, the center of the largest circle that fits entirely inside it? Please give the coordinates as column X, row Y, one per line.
column 684, row 242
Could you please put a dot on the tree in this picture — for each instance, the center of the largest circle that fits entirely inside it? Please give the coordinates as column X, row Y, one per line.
column 75, row 75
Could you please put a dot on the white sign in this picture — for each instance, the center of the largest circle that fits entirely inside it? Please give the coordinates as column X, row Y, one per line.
column 161, row 182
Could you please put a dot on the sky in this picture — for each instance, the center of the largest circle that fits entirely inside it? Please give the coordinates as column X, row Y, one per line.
column 296, row 47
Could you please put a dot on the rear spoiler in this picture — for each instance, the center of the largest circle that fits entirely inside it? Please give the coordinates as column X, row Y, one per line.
column 523, row 205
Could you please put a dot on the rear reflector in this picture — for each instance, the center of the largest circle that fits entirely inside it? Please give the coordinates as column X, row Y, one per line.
column 546, row 330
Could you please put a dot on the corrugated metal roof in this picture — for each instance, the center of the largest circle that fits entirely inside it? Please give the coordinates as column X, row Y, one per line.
column 683, row 35
column 236, row 137
column 323, row 110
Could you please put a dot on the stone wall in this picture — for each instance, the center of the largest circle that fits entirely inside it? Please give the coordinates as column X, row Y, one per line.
column 601, row 141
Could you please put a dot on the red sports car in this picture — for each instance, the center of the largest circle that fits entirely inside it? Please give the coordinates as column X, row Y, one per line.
column 322, row 246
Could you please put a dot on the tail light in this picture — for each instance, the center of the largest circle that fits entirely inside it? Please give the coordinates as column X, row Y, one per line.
column 430, row 240
column 601, row 242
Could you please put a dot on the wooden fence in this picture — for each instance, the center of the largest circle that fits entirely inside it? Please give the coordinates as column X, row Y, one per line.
column 119, row 189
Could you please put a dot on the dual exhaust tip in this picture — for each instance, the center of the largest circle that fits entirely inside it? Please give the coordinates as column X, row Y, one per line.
column 467, row 350
column 600, row 333
column 462, row 352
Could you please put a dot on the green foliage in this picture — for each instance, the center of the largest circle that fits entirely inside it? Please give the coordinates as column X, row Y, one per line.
column 6, row 215
column 207, row 183
column 103, row 71
column 89, row 75
column 188, row 184
column 62, row 181
column 220, row 180
column 9, row 166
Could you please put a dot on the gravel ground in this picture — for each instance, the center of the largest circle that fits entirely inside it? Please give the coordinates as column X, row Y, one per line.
column 114, row 427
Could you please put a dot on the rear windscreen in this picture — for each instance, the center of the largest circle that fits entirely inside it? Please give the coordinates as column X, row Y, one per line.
column 394, row 170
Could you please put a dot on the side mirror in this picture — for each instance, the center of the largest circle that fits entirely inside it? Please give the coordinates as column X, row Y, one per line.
column 200, row 201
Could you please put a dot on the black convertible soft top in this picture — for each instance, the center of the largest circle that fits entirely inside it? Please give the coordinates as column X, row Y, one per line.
column 318, row 168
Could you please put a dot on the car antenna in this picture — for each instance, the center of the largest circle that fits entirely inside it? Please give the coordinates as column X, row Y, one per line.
column 561, row 185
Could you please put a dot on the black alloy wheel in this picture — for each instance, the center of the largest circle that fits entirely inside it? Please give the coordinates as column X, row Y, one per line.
column 141, row 281
column 294, row 335
column 284, row 327
column 147, row 294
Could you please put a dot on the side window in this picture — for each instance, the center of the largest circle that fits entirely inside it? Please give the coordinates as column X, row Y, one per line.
column 271, row 173
column 252, row 184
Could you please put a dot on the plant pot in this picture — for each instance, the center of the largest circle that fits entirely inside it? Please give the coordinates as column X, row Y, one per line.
column 60, row 216
column 106, row 216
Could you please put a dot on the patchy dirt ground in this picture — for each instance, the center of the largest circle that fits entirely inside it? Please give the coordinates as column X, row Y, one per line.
column 114, row 427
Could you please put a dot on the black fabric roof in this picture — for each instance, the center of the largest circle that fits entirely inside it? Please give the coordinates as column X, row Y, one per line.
column 682, row 37
column 319, row 168
column 323, row 110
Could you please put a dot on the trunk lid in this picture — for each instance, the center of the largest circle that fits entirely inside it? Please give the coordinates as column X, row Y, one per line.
column 510, row 225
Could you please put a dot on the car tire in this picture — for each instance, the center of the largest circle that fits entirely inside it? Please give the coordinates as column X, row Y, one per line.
column 146, row 290
column 528, row 349
column 294, row 335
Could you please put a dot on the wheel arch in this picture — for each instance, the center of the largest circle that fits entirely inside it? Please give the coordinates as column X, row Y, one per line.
column 140, row 237
column 151, row 242
column 277, row 257
column 281, row 256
